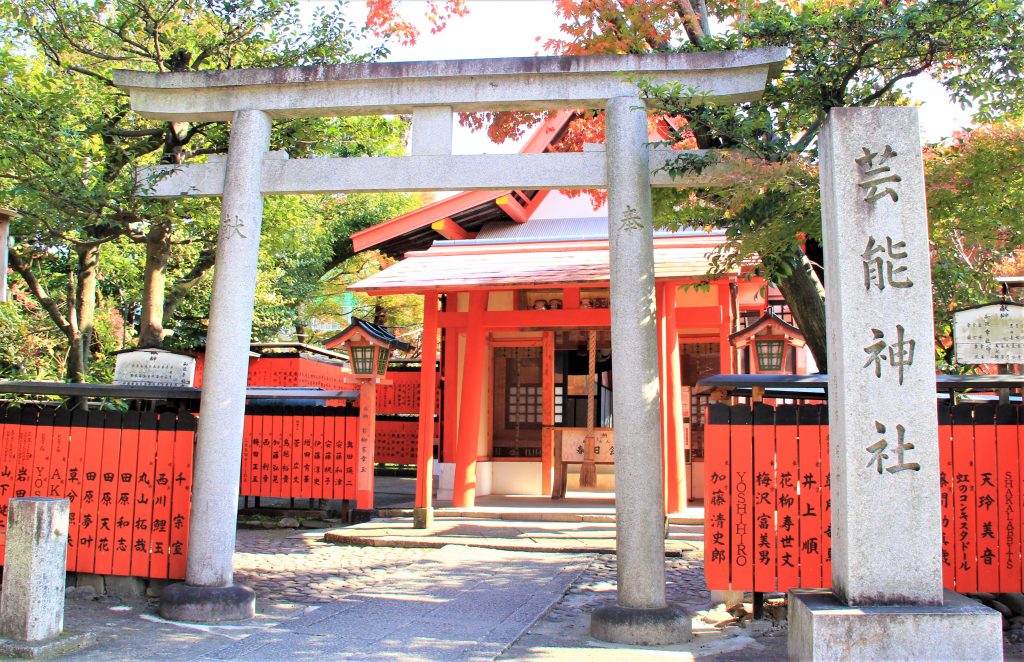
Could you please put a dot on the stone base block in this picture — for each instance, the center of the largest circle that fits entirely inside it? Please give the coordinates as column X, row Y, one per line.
column 67, row 642
column 645, row 627
column 422, row 518
column 823, row 628
column 206, row 604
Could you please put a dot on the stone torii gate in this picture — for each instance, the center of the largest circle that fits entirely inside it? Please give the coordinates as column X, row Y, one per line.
column 431, row 92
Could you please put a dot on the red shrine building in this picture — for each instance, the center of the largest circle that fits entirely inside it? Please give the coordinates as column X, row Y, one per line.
column 519, row 281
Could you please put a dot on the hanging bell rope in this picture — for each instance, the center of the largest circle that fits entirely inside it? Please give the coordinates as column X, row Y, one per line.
column 588, row 472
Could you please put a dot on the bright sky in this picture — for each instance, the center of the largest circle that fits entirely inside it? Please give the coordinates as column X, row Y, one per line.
column 510, row 28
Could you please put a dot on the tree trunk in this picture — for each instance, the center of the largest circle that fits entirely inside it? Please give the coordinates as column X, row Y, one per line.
column 77, row 360
column 158, row 252
column 806, row 298
column 184, row 285
column 85, row 299
column 68, row 325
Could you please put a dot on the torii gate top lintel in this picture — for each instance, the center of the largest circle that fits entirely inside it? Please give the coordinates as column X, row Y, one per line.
column 528, row 83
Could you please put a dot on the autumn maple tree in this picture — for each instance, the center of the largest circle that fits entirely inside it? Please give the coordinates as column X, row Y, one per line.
column 842, row 53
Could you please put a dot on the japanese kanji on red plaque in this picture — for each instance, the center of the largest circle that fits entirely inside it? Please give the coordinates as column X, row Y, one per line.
column 127, row 476
column 767, row 498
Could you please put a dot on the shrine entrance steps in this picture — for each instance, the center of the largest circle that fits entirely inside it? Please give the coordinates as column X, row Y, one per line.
column 590, row 507
column 585, row 534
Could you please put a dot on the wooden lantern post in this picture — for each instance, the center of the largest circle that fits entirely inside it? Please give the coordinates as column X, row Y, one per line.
column 369, row 348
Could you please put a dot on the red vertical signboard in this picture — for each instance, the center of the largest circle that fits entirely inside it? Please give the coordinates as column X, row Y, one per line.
column 716, row 498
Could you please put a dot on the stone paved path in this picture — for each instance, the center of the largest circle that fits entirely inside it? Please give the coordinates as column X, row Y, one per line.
column 456, row 603
column 352, row 603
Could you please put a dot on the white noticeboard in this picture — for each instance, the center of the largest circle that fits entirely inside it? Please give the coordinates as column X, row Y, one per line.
column 154, row 367
column 993, row 333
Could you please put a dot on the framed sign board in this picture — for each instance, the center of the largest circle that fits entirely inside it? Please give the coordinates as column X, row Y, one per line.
column 991, row 333
column 154, row 367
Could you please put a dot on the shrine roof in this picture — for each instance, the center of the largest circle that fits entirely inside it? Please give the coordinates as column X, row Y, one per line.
column 534, row 262
column 470, row 210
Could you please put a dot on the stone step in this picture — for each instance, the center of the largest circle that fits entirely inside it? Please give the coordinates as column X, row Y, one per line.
column 530, row 515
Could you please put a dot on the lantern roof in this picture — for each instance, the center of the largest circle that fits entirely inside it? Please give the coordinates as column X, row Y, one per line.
column 768, row 324
column 376, row 334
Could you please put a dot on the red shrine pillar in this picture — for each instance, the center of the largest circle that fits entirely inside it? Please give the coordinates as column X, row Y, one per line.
column 471, row 396
column 672, row 393
column 423, row 513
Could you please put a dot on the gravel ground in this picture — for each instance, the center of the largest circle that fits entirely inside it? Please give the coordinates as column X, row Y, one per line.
column 284, row 568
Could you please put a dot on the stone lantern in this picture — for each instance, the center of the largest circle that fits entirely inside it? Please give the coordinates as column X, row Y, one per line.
column 369, row 348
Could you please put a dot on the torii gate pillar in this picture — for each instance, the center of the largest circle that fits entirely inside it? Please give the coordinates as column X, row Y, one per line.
column 209, row 593
column 641, row 615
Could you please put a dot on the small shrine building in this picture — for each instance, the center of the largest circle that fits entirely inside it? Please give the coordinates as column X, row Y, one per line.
column 520, row 279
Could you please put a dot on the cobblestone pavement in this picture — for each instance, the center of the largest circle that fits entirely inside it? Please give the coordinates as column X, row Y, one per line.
column 281, row 567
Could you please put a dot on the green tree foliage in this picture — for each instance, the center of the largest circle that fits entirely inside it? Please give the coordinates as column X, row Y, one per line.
column 70, row 144
column 976, row 209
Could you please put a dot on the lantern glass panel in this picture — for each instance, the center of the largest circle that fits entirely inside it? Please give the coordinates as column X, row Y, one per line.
column 769, row 354
column 362, row 359
column 383, row 354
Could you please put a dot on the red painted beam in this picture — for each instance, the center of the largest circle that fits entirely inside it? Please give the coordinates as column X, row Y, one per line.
column 449, row 229
column 514, row 319
column 421, row 217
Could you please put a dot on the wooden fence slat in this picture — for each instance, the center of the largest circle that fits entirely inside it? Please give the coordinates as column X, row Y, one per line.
column 1008, row 489
column 717, row 515
column 765, row 570
column 160, row 539
column 11, row 419
column 308, row 417
column 106, row 518
column 809, row 450
column 245, row 479
column 87, row 534
column 351, row 454
column 740, row 480
column 329, row 435
column 986, row 473
column 61, row 450
column 143, row 494
column 278, row 461
column 1020, row 491
column 77, row 436
column 298, row 432
column 181, row 494
column 788, row 472
column 948, row 496
column 44, row 453
column 266, row 425
column 318, row 454
column 124, row 493
column 26, row 451
column 965, row 542
column 826, row 498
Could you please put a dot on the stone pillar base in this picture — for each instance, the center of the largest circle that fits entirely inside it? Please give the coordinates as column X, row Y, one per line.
column 67, row 642
column 422, row 518
column 645, row 627
column 207, row 604
column 823, row 628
